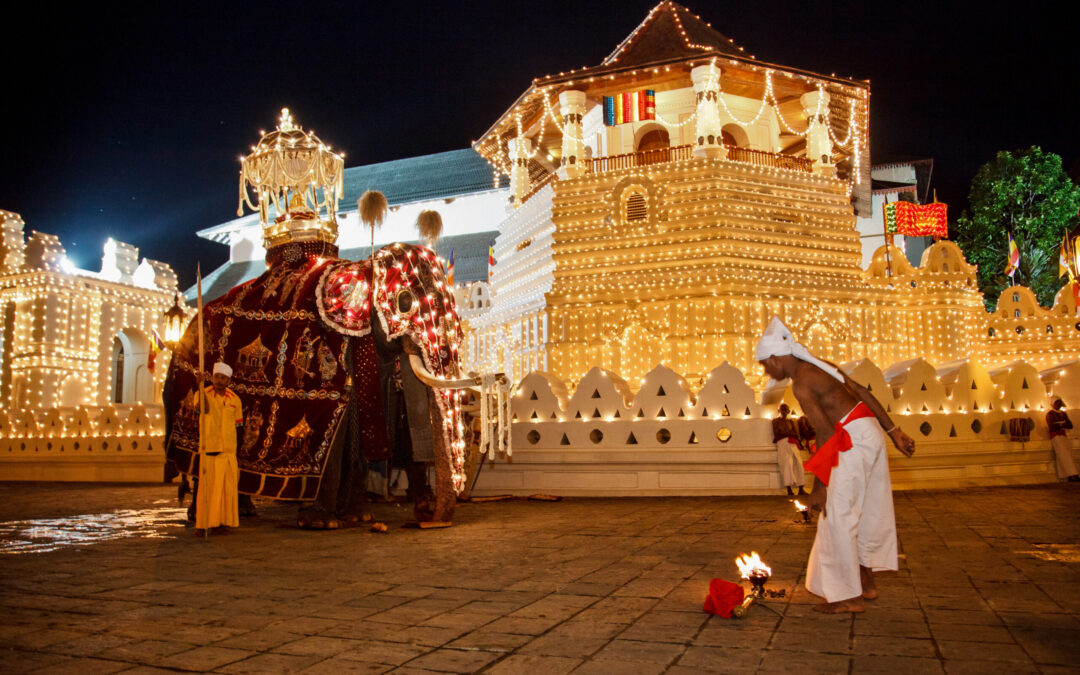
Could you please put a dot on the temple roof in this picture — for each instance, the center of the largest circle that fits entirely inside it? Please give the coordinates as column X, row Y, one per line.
column 670, row 31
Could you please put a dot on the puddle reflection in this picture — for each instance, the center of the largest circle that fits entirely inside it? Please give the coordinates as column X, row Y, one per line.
column 51, row 534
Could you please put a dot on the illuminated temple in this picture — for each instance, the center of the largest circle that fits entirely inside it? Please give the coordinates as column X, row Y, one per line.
column 672, row 233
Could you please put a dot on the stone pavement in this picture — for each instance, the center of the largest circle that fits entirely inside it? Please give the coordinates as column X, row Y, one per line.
column 989, row 582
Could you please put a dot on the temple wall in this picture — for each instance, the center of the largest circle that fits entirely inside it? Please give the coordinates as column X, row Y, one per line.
column 674, row 437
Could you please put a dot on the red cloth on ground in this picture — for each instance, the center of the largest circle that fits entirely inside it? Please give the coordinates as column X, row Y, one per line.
column 827, row 456
column 723, row 597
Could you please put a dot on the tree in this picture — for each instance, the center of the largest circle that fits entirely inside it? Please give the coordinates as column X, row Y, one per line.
column 1026, row 193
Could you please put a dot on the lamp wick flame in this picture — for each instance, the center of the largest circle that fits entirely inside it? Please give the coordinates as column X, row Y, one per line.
column 752, row 566
column 800, row 506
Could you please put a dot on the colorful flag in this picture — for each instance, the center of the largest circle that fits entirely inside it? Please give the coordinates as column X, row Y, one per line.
column 491, row 258
column 1014, row 258
column 157, row 345
column 1063, row 256
column 450, row 269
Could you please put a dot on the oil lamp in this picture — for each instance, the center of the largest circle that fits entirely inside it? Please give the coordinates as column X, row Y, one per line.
column 757, row 572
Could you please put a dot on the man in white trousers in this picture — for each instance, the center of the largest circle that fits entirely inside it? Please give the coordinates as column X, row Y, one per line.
column 786, row 436
column 856, row 533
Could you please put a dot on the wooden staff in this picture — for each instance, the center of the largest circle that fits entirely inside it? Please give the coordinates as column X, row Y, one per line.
column 199, row 384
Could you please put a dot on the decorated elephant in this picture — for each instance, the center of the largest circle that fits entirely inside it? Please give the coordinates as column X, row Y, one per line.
column 337, row 363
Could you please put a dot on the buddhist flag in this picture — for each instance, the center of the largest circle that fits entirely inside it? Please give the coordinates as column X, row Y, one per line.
column 491, row 258
column 450, row 269
column 156, row 345
column 1063, row 256
column 1014, row 258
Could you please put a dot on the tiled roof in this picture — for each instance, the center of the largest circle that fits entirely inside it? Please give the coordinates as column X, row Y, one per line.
column 437, row 176
column 470, row 264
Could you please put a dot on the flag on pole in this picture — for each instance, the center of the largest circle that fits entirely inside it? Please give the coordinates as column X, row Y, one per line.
column 1014, row 259
column 157, row 345
column 1063, row 256
column 450, row 269
column 491, row 258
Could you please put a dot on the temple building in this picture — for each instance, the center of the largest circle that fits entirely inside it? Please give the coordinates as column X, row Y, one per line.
column 77, row 369
column 670, row 200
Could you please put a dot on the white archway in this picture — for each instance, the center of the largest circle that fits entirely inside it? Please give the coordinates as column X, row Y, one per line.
column 131, row 378
column 735, row 135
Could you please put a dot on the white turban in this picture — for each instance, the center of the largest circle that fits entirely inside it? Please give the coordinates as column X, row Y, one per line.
column 778, row 341
column 222, row 369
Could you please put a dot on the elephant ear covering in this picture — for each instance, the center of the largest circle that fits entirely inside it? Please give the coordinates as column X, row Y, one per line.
column 411, row 298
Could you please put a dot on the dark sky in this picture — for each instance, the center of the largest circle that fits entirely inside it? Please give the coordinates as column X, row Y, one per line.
column 126, row 119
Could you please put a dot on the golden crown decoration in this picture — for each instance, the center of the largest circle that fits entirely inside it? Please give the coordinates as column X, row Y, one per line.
column 294, row 177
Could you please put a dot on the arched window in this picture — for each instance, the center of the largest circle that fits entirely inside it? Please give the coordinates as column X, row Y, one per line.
column 636, row 207
column 657, row 138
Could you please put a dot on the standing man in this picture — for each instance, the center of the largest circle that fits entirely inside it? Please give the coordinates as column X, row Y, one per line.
column 221, row 422
column 1057, row 421
column 786, row 436
column 856, row 533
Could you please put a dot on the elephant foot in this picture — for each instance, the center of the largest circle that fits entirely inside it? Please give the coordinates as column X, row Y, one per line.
column 314, row 518
column 247, row 507
column 356, row 519
column 424, row 509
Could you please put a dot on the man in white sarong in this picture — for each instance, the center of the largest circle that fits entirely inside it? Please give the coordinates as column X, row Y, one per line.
column 216, row 503
column 786, row 436
column 856, row 533
column 1058, row 422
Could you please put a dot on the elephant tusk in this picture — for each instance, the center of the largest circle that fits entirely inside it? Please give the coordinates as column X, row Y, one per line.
column 431, row 380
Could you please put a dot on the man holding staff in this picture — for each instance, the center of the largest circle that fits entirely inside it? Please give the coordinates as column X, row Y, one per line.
column 216, row 502
column 856, row 533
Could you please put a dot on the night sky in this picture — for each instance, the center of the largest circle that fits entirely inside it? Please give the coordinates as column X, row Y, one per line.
column 127, row 119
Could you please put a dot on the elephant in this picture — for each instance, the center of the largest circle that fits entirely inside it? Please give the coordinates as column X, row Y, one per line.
column 338, row 364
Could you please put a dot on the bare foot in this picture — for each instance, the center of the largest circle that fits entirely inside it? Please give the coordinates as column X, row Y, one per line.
column 866, row 576
column 852, row 605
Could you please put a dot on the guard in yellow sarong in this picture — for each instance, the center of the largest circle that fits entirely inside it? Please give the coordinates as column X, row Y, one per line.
column 216, row 503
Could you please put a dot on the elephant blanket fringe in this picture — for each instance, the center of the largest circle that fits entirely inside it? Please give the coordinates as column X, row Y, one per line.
column 495, row 416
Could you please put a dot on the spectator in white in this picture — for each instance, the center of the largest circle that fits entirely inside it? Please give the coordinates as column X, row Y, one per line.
column 1057, row 422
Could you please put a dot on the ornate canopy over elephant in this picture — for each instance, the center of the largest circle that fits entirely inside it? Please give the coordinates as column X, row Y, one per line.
column 328, row 354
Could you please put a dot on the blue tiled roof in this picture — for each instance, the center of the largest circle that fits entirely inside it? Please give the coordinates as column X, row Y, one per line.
column 470, row 264
column 444, row 174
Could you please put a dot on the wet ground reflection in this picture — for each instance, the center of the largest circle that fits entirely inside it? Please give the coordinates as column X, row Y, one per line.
column 50, row 534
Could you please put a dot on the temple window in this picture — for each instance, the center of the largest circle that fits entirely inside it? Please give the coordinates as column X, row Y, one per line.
column 636, row 207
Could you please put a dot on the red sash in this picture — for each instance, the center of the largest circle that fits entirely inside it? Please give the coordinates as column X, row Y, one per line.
column 827, row 456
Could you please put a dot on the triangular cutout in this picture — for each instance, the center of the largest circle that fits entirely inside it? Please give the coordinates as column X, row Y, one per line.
column 596, row 413
column 990, row 407
column 534, row 397
column 726, row 390
column 514, row 417
column 534, row 415
column 640, row 412
column 577, row 415
column 922, row 387
column 554, row 416
column 681, row 413
column 1024, row 385
column 704, row 412
column 595, row 393
column 869, row 387
column 973, row 385
column 725, row 412
column 565, row 440
column 630, row 440
column 661, row 413
column 924, row 409
column 952, row 432
column 747, row 412
column 693, row 438
column 1003, row 431
column 617, row 415
column 660, row 391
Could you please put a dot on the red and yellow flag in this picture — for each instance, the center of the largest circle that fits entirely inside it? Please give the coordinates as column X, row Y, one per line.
column 1014, row 258
column 491, row 259
column 1063, row 256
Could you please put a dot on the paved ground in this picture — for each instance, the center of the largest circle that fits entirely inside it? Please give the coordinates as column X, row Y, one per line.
column 989, row 582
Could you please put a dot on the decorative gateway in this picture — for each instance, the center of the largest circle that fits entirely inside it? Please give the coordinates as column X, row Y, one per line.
column 306, row 354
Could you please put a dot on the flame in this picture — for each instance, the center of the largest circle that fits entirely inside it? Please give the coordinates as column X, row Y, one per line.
column 799, row 505
column 752, row 565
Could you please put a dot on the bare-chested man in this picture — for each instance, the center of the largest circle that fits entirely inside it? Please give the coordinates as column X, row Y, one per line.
column 856, row 533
